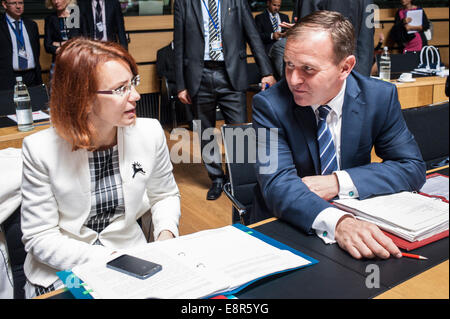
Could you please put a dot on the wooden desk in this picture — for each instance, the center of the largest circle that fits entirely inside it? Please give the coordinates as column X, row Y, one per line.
column 423, row 91
column 12, row 137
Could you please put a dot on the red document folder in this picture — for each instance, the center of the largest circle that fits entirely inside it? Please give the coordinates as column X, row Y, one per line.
column 404, row 244
column 407, row 245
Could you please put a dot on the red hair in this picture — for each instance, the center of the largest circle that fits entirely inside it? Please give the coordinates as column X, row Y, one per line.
column 74, row 86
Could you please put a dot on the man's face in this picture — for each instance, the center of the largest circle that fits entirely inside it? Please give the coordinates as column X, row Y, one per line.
column 311, row 73
column 274, row 6
column 14, row 8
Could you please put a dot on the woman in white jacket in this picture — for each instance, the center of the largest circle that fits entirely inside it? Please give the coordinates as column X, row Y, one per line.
column 89, row 178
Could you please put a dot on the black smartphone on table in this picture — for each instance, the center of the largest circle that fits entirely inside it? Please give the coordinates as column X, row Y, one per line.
column 134, row 266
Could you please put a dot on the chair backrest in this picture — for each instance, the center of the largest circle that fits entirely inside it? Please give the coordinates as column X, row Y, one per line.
column 429, row 125
column 16, row 252
column 253, row 74
column 240, row 154
column 38, row 95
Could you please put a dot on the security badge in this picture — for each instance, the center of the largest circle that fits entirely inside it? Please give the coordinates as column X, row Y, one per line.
column 23, row 53
column 99, row 26
column 216, row 45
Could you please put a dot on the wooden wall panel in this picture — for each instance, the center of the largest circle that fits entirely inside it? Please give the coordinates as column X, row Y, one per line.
column 144, row 45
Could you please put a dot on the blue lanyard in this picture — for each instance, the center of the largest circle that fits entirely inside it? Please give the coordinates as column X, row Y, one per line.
column 209, row 13
column 19, row 34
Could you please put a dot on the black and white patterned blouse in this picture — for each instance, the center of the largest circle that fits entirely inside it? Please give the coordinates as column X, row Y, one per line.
column 107, row 202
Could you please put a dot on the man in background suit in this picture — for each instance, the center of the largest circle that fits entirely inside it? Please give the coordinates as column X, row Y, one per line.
column 165, row 68
column 20, row 48
column 104, row 20
column 358, row 12
column 269, row 22
column 210, row 66
column 328, row 118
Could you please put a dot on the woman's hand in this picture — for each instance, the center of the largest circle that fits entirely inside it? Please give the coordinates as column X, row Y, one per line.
column 165, row 234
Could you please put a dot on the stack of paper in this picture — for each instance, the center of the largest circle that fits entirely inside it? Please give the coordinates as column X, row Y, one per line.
column 199, row 265
column 410, row 216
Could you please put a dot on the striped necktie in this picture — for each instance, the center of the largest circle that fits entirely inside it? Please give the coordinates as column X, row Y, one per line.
column 23, row 62
column 328, row 160
column 213, row 32
column 98, row 20
column 274, row 23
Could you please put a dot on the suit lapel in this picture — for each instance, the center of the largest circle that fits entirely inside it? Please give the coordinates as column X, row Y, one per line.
column 197, row 7
column 307, row 120
column 5, row 30
column 352, row 122
column 223, row 12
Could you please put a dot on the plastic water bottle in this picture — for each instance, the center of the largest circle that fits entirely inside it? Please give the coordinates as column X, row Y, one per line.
column 23, row 106
column 385, row 65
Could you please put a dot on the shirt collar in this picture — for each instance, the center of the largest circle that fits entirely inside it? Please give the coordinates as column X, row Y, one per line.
column 271, row 14
column 11, row 19
column 336, row 103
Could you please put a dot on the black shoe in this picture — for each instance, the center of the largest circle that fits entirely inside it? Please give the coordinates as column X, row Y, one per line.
column 215, row 191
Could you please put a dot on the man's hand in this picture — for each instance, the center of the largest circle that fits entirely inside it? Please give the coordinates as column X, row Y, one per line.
column 286, row 25
column 269, row 80
column 184, row 97
column 362, row 239
column 324, row 186
column 278, row 35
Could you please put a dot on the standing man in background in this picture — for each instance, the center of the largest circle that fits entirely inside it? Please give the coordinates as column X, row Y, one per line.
column 104, row 20
column 210, row 65
column 20, row 48
column 269, row 22
column 358, row 12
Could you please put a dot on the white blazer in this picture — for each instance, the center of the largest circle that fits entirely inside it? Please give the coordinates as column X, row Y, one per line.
column 56, row 190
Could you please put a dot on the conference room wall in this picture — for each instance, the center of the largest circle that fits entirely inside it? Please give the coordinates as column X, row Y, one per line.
column 149, row 33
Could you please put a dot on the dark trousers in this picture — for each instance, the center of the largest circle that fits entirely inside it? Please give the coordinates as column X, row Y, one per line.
column 215, row 89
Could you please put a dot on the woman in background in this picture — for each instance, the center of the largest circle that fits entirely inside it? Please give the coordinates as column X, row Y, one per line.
column 60, row 26
column 409, row 41
column 90, row 177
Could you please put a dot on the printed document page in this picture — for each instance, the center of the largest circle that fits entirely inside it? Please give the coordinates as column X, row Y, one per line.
column 436, row 186
column 193, row 266
column 410, row 211
column 416, row 16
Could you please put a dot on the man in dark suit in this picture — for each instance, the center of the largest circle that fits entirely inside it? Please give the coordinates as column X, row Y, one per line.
column 20, row 48
column 327, row 119
column 359, row 13
column 210, row 66
column 165, row 68
column 104, row 20
column 269, row 22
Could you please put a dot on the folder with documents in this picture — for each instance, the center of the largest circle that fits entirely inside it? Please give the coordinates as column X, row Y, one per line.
column 199, row 265
column 409, row 216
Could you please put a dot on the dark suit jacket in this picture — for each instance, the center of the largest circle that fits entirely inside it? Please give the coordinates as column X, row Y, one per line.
column 7, row 77
column 264, row 26
column 115, row 27
column 371, row 116
column 164, row 63
column 355, row 11
column 52, row 32
column 238, row 27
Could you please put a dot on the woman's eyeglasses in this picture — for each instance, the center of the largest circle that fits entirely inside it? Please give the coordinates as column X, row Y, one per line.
column 124, row 89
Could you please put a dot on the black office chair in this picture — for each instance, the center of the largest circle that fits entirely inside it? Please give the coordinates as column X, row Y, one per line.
column 240, row 153
column 38, row 95
column 254, row 77
column 16, row 252
column 429, row 125
column 168, row 100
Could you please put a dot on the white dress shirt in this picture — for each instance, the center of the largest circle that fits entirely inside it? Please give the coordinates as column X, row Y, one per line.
column 277, row 16
column 28, row 48
column 206, row 28
column 325, row 222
